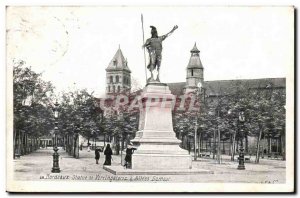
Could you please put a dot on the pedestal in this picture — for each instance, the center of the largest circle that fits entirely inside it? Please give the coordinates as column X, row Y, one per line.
column 158, row 151
column 156, row 142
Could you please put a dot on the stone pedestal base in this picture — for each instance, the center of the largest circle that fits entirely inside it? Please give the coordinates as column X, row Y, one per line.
column 157, row 146
column 161, row 162
column 119, row 170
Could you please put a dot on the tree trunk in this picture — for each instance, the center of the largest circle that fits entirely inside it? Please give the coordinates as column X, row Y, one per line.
column 199, row 143
column 283, row 147
column 219, row 146
column 122, row 148
column 209, row 144
column 26, row 143
column 230, row 145
column 117, row 145
column 214, row 144
column 68, row 144
column 269, row 146
column 21, row 139
column 104, row 139
column 76, row 147
column 72, row 145
column 233, row 146
column 14, row 141
column 189, row 145
column 122, row 143
column 258, row 146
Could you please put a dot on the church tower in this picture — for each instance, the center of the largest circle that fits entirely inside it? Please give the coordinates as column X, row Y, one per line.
column 194, row 71
column 118, row 79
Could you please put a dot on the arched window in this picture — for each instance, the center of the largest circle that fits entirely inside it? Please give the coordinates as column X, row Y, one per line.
column 192, row 72
column 117, row 79
column 114, row 89
column 119, row 89
column 110, row 79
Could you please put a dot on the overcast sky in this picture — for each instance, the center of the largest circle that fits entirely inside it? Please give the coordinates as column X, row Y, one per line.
column 72, row 46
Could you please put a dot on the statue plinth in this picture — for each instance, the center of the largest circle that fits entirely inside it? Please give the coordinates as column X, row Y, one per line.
column 157, row 146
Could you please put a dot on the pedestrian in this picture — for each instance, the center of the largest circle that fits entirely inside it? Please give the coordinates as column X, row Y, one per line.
column 107, row 153
column 97, row 155
column 128, row 157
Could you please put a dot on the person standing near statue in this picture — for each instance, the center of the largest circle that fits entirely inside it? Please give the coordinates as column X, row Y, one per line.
column 97, row 155
column 154, row 48
column 108, row 154
column 128, row 157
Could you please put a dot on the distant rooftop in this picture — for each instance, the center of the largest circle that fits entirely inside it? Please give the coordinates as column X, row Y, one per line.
column 221, row 87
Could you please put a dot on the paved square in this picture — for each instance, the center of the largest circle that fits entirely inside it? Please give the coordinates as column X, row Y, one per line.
column 37, row 166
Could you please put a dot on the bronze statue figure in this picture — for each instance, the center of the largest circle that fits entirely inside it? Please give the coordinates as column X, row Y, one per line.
column 154, row 48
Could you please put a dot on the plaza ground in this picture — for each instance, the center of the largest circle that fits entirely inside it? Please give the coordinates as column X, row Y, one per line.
column 37, row 166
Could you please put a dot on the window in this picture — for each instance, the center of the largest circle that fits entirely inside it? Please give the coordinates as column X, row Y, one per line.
column 108, row 88
column 118, row 89
column 110, row 79
column 115, row 62
column 117, row 79
column 114, row 89
column 192, row 72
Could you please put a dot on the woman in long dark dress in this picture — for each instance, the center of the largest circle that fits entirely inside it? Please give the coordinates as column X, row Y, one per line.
column 128, row 157
column 107, row 153
column 97, row 155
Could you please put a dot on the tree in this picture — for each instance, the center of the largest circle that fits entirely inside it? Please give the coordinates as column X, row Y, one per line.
column 263, row 108
column 31, row 100
column 79, row 114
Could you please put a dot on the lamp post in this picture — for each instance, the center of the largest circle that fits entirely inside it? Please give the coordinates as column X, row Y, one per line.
column 55, row 168
column 241, row 165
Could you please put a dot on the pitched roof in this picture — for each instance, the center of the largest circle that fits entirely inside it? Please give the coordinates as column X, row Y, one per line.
column 118, row 62
column 195, row 49
column 176, row 88
column 195, row 61
column 223, row 87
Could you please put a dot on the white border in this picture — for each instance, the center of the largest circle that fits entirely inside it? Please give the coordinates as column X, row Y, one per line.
column 156, row 187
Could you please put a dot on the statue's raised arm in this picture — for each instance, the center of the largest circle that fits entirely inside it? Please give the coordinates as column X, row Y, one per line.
column 168, row 34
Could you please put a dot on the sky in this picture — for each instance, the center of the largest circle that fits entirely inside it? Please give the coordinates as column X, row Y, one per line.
column 72, row 46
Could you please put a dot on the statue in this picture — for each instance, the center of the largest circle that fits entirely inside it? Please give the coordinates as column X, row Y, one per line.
column 154, row 48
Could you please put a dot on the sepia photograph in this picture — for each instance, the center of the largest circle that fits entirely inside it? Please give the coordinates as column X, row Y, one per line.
column 150, row 99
